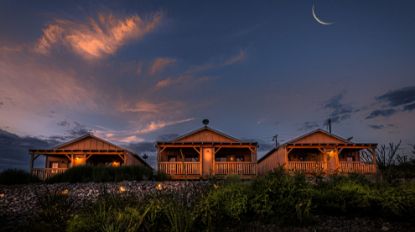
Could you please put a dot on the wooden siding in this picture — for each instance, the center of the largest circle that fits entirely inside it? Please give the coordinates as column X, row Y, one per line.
column 277, row 158
column 89, row 143
column 206, row 136
column 318, row 137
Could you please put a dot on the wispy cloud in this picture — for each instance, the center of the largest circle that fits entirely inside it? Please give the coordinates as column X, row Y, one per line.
column 153, row 126
column 192, row 74
column 241, row 56
column 159, row 64
column 394, row 101
column 97, row 37
column 339, row 110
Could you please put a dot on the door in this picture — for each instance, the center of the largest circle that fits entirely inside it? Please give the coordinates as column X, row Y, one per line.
column 207, row 161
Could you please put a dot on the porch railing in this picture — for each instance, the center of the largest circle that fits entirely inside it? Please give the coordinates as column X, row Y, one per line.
column 305, row 166
column 235, row 168
column 44, row 173
column 180, row 168
column 356, row 167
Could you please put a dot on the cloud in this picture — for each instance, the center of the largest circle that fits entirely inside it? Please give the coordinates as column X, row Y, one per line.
column 409, row 107
column 377, row 127
column 241, row 56
column 159, row 64
column 398, row 97
column 96, row 38
column 153, row 126
column 14, row 149
column 381, row 113
column 181, row 80
column 308, row 126
column 339, row 110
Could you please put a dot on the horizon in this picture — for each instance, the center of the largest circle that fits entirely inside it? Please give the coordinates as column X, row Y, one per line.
column 134, row 72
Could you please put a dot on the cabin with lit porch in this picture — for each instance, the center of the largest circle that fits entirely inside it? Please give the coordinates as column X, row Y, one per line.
column 85, row 150
column 205, row 153
column 320, row 152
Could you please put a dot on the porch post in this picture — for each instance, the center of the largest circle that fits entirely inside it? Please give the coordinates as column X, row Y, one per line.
column 31, row 162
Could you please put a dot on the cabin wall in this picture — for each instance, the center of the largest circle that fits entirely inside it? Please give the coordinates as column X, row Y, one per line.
column 131, row 160
column 277, row 158
column 63, row 162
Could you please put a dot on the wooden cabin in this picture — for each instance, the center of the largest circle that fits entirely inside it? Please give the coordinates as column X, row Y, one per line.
column 85, row 150
column 320, row 152
column 205, row 153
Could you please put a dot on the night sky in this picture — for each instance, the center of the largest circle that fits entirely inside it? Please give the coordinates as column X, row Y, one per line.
column 134, row 72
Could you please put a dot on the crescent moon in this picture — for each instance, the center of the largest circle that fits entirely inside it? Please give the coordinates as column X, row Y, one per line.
column 313, row 11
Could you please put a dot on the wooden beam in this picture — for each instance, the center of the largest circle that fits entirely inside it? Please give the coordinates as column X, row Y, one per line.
column 197, row 150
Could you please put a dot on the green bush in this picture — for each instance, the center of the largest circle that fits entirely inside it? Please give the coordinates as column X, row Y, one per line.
column 344, row 196
column 224, row 203
column 16, row 176
column 281, row 198
column 398, row 201
column 102, row 174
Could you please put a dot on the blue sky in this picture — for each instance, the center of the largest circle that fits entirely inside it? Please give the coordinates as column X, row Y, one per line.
column 134, row 72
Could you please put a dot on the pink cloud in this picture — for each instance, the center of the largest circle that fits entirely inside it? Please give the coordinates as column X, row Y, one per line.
column 97, row 37
column 160, row 64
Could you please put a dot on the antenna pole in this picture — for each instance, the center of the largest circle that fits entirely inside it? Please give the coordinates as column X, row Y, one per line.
column 275, row 138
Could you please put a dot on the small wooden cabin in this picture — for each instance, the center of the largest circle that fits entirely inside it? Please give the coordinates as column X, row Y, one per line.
column 204, row 153
column 320, row 152
column 85, row 150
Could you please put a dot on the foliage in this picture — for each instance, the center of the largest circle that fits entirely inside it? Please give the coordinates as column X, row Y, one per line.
column 102, row 174
column 16, row 176
column 224, row 204
column 282, row 198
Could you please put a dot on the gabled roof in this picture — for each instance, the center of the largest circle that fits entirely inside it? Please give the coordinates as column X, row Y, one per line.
column 206, row 128
column 294, row 140
column 299, row 138
column 90, row 135
column 210, row 136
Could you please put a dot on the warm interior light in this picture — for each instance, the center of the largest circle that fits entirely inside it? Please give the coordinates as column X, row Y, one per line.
column 115, row 164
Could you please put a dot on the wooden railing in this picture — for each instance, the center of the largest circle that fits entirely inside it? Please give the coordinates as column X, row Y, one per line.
column 356, row 167
column 180, row 168
column 44, row 173
column 235, row 168
column 305, row 166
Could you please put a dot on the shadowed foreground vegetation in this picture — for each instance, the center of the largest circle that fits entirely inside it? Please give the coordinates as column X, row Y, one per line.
column 277, row 199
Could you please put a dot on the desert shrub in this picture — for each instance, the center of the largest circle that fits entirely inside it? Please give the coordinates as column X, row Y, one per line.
column 281, row 198
column 344, row 197
column 16, row 176
column 398, row 201
column 102, row 174
column 228, row 202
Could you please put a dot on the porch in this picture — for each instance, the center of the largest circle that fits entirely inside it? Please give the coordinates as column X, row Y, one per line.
column 329, row 159
column 198, row 162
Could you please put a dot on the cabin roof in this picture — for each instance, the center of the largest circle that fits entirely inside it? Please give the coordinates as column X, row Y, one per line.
column 182, row 139
column 295, row 141
column 90, row 135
